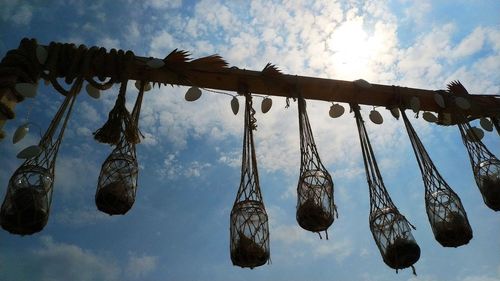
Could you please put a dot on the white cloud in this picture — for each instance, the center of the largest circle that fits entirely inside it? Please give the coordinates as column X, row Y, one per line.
column 140, row 266
column 61, row 261
column 109, row 42
column 286, row 235
column 17, row 12
column 470, row 44
column 162, row 4
column 172, row 168
column 78, row 217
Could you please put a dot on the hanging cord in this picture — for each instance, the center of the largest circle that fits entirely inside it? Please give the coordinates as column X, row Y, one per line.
column 496, row 123
column 249, row 182
column 133, row 132
column 119, row 120
column 47, row 143
column 379, row 197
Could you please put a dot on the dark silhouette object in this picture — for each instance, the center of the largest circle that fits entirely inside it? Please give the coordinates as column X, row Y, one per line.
column 118, row 180
column 249, row 229
column 390, row 229
column 315, row 202
column 117, row 186
column 25, row 209
column 444, row 208
column 485, row 166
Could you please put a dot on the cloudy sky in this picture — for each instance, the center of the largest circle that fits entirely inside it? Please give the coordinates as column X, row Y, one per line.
column 190, row 159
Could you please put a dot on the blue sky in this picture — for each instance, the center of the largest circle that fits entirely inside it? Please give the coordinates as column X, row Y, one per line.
column 190, row 159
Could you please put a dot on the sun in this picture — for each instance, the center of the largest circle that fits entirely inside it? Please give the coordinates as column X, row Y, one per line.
column 352, row 48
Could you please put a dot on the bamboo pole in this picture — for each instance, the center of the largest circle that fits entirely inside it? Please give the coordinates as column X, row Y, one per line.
column 285, row 85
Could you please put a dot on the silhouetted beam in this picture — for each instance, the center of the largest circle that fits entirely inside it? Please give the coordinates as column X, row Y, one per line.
column 234, row 79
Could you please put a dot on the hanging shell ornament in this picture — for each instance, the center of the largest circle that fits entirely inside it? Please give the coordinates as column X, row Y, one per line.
column 27, row 90
column 474, row 131
column 155, row 63
column 415, row 104
column 429, row 117
column 336, row 110
column 193, row 94
column 362, row 83
column 147, row 87
column 376, row 117
column 486, row 124
column 29, row 152
column 438, row 98
column 395, row 112
column 20, row 133
column 92, row 91
column 235, row 105
column 266, row 105
column 41, row 54
column 446, row 119
column 462, row 103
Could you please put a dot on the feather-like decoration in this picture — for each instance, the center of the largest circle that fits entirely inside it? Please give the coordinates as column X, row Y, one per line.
column 212, row 62
column 456, row 88
column 177, row 57
column 271, row 71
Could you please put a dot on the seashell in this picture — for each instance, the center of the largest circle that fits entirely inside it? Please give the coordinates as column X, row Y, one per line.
column 27, row 90
column 20, row 133
column 462, row 103
column 235, row 105
column 41, row 54
column 147, row 87
column 266, row 105
column 92, row 91
column 376, row 117
column 474, row 134
column 192, row 94
column 395, row 112
column 336, row 110
column 415, row 104
column 446, row 119
column 486, row 124
column 155, row 63
column 29, row 152
column 438, row 98
column 429, row 117
column 362, row 83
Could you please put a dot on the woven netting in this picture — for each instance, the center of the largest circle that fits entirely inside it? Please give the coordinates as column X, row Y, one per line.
column 444, row 208
column 25, row 209
column 249, row 229
column 485, row 165
column 390, row 229
column 315, row 203
column 496, row 123
column 117, row 185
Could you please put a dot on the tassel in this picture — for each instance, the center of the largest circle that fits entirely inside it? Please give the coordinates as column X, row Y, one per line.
column 118, row 120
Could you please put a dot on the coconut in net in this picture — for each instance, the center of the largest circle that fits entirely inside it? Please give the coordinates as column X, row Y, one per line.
column 390, row 229
column 315, row 202
column 444, row 208
column 249, row 229
column 485, row 165
column 25, row 209
column 117, row 184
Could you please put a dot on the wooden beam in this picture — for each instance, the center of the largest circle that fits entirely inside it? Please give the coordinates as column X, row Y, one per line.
column 273, row 84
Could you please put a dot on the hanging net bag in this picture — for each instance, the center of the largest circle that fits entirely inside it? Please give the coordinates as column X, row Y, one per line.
column 390, row 229
column 315, row 203
column 25, row 209
column 249, row 228
column 485, row 166
column 117, row 185
column 444, row 208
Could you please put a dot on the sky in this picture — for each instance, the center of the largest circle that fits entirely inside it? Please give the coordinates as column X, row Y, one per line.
column 190, row 158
